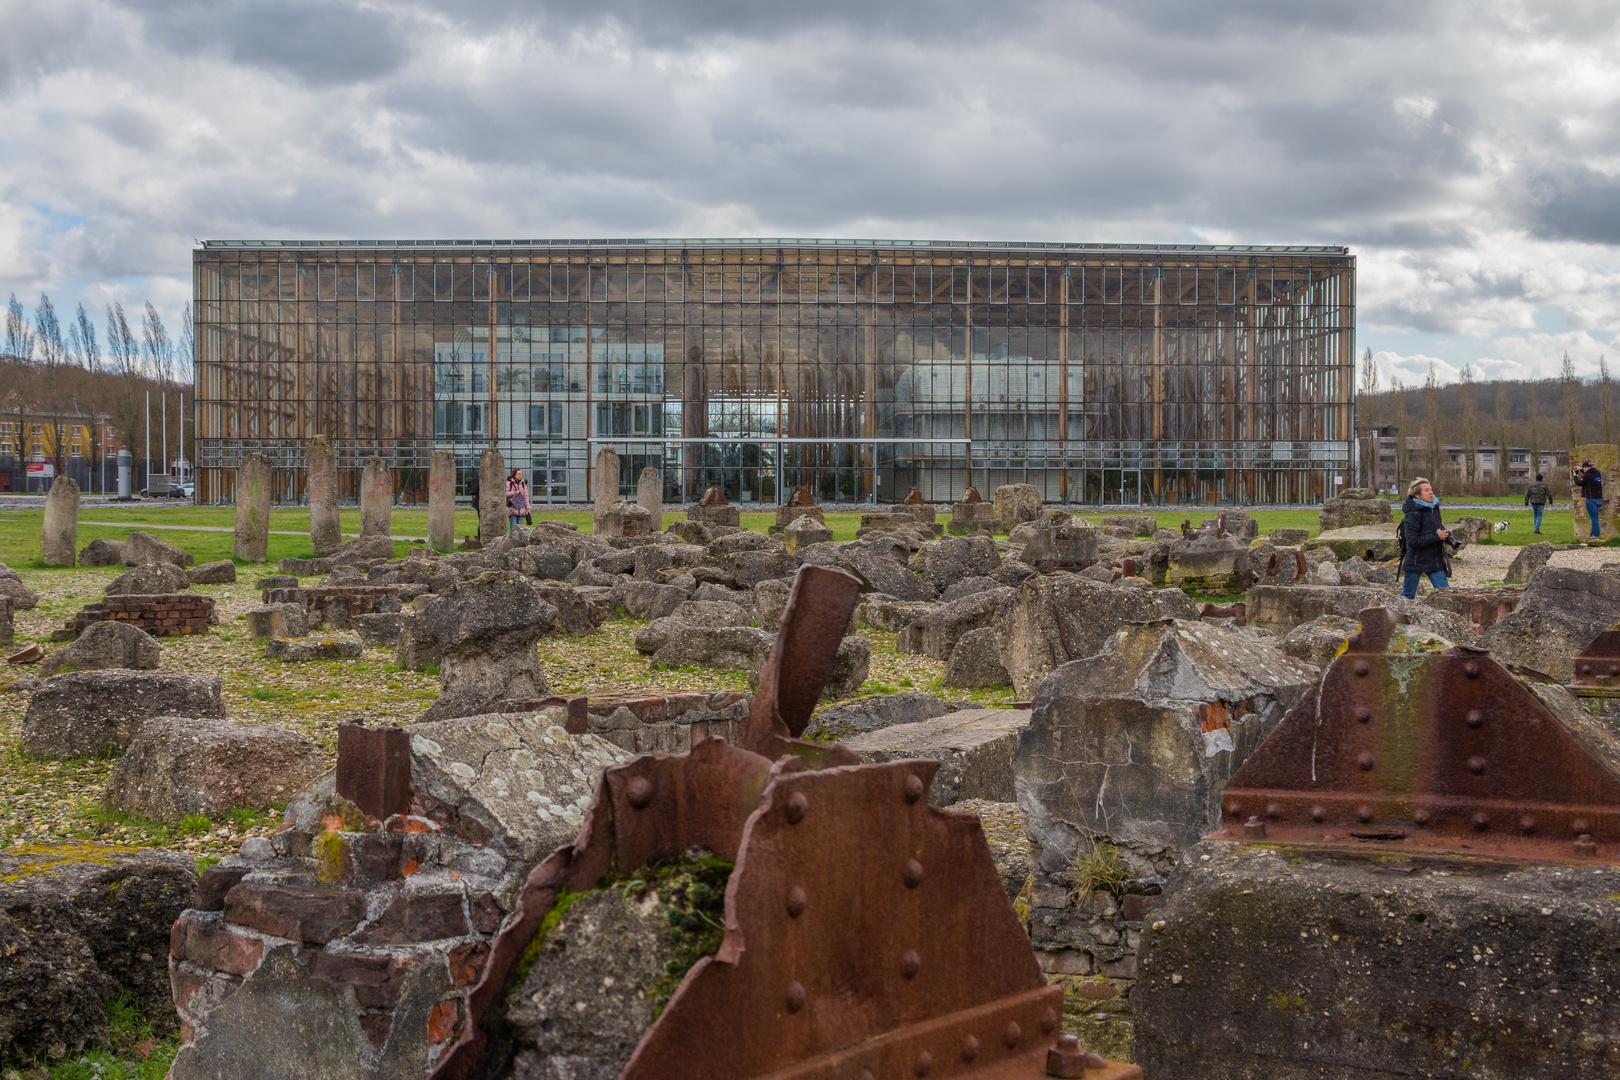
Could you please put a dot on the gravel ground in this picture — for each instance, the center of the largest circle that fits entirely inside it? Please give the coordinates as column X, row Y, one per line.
column 51, row 802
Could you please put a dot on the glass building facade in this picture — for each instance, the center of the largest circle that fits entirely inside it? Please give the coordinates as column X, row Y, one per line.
column 1099, row 373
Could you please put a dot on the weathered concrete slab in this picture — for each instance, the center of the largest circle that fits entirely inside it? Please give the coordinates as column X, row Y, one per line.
column 1135, row 743
column 1262, row 962
column 1374, row 543
column 974, row 747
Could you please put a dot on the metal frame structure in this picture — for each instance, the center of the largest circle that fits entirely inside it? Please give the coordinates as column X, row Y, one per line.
column 1151, row 373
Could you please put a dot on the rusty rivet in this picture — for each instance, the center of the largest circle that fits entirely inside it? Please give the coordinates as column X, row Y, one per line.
column 970, row 1048
column 1365, row 761
column 1365, row 814
column 924, row 1064
column 913, row 874
column 1363, row 713
column 797, row 807
column 1586, row 669
column 1273, row 811
column 1234, row 809
column 1318, row 813
column 1066, row 1058
column 1049, row 1021
column 1481, row 822
column 1254, row 829
column 1614, row 669
column 1581, row 826
column 914, row 788
column 1527, row 823
column 1475, row 718
column 910, row 964
column 1476, row 765
column 795, row 902
column 866, row 1074
column 1361, row 667
column 640, row 792
column 1013, row 1035
column 1471, row 669
column 1421, row 817
column 1584, row 847
column 795, row 997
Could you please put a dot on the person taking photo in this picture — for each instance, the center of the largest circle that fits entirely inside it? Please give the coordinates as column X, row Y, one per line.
column 1424, row 539
column 1590, row 484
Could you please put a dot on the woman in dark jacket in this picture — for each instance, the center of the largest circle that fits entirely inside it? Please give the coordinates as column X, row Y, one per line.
column 1426, row 537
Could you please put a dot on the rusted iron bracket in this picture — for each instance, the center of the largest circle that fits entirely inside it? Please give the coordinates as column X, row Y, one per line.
column 374, row 769
column 867, row 933
column 1598, row 666
column 818, row 610
column 1406, row 746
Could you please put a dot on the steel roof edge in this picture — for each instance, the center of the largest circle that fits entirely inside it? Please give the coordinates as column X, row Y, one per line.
column 782, row 242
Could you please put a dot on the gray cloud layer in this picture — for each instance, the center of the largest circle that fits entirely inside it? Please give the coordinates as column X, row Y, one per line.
column 1470, row 152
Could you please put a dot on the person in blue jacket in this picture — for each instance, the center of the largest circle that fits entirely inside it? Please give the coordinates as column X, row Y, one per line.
column 1425, row 536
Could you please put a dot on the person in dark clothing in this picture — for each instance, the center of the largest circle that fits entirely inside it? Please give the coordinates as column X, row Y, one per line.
column 1590, row 482
column 1536, row 497
column 472, row 489
column 1425, row 535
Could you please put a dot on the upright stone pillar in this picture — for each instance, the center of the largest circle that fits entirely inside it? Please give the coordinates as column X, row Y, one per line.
column 605, row 486
column 1606, row 456
column 650, row 496
column 59, row 543
column 442, row 501
column 376, row 498
column 491, row 495
column 252, row 540
column 321, row 481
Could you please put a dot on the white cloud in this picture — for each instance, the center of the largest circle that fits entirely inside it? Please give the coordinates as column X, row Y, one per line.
column 1469, row 154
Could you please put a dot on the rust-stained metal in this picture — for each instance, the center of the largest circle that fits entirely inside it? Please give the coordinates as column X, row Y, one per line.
column 714, row 497
column 866, row 932
column 971, row 495
column 818, row 610
column 1128, row 569
column 374, row 769
column 914, row 497
column 1186, row 529
column 1238, row 612
column 1598, row 666
column 1220, row 525
column 1408, row 746
column 578, row 715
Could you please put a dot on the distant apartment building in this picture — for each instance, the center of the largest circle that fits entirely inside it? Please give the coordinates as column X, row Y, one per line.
column 1491, row 466
column 28, row 443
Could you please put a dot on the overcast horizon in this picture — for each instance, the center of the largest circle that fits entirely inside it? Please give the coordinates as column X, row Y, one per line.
column 1467, row 154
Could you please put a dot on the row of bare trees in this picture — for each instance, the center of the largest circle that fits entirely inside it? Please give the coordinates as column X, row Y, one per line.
column 1538, row 415
column 60, row 376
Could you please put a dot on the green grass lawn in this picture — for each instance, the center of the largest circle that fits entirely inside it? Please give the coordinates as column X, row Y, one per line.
column 20, row 529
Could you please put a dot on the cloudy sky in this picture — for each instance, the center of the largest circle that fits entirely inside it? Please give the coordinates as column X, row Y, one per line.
column 1469, row 153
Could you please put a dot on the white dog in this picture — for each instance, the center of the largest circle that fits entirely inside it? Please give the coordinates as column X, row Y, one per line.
column 1500, row 526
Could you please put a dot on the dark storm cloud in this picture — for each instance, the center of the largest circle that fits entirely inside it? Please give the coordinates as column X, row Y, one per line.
column 1467, row 150
column 1571, row 201
column 315, row 41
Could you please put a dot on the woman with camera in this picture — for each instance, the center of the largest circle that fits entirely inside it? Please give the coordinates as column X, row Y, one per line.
column 1425, row 540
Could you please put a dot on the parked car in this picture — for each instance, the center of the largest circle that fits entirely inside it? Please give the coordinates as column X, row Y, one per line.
column 176, row 491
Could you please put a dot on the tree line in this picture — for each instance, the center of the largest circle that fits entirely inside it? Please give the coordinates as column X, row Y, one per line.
column 52, row 363
column 1539, row 415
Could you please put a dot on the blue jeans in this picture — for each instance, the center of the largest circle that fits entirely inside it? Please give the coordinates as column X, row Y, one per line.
column 1409, row 587
column 1538, row 510
column 512, row 521
column 1594, row 507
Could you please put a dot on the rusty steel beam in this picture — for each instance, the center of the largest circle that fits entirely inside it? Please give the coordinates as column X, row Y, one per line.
column 1407, row 747
column 374, row 769
column 866, row 932
column 1598, row 666
column 818, row 610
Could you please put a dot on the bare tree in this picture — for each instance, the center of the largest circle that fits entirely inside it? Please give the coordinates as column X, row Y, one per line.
column 19, row 374
column 124, row 356
column 1468, row 425
column 185, row 358
column 1400, row 422
column 1572, row 403
column 159, row 363
column 1504, row 449
column 82, row 341
column 1431, row 424
column 52, row 359
column 1606, row 399
column 1369, row 391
